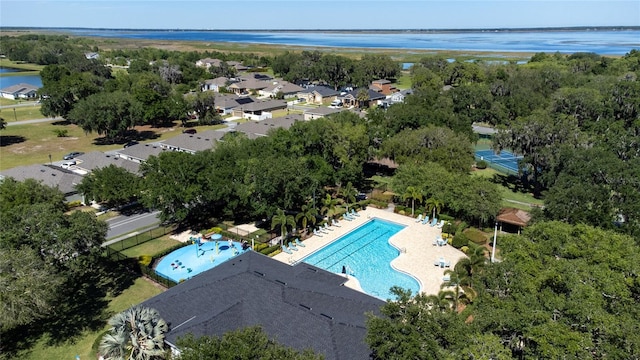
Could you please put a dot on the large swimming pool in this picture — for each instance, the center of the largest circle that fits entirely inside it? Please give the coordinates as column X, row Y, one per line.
column 366, row 254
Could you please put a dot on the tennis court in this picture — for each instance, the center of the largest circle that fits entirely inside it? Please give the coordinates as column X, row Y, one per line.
column 505, row 161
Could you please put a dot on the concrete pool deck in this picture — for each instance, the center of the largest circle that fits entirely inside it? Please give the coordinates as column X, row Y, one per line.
column 415, row 241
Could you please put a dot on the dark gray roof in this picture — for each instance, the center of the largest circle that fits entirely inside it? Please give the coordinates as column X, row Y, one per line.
column 265, row 105
column 255, row 129
column 98, row 160
column 51, row 176
column 193, row 142
column 324, row 91
column 142, row 151
column 230, row 101
column 300, row 306
column 322, row 111
column 373, row 95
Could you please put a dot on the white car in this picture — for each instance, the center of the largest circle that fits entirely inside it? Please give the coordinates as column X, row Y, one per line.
column 68, row 164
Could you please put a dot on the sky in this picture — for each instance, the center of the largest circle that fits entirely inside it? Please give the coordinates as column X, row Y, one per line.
column 318, row 14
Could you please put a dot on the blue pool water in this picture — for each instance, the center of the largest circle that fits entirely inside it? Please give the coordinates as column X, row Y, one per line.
column 191, row 260
column 366, row 254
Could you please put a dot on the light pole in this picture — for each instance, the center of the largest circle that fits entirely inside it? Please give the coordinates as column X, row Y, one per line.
column 493, row 248
column 15, row 116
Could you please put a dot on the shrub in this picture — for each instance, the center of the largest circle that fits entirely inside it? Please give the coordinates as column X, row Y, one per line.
column 74, row 204
column 476, row 236
column 260, row 246
column 481, row 164
column 145, row 260
column 465, row 249
column 463, row 225
column 446, row 217
column 448, row 228
column 460, row 240
column 270, row 249
column 61, row 132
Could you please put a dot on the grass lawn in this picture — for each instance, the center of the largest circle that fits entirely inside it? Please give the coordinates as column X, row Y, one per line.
column 141, row 290
column 20, row 113
column 404, row 81
column 510, row 195
column 4, row 62
column 151, row 247
column 33, row 143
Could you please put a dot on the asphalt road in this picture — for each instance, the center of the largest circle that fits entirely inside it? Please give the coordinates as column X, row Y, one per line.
column 33, row 121
column 125, row 224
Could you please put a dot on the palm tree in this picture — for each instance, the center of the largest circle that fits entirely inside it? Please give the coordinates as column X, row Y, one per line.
column 283, row 220
column 434, row 205
column 362, row 97
column 443, row 301
column 308, row 214
column 460, row 281
column 414, row 194
column 136, row 333
column 349, row 194
column 329, row 205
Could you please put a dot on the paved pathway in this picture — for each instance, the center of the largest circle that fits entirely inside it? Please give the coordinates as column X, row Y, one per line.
column 33, row 121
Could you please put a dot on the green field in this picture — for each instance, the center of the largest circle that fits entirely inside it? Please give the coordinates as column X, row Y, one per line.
column 20, row 113
column 141, row 290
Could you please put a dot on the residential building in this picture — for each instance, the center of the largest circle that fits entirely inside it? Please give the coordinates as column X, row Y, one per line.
column 320, row 112
column 300, row 306
column 91, row 161
column 192, row 143
column 215, row 84
column 280, row 86
column 249, row 86
column 48, row 175
column 351, row 98
column 19, row 91
column 260, row 110
column 139, row 153
column 226, row 104
column 318, row 94
column 383, row 86
column 208, row 62
column 255, row 129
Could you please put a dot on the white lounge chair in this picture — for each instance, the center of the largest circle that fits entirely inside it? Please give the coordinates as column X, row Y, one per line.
column 353, row 213
column 446, row 278
column 419, row 218
column 347, row 217
column 440, row 224
column 327, row 227
column 292, row 246
column 335, row 223
column 433, row 222
column 316, row 233
column 299, row 243
column 425, row 220
column 285, row 249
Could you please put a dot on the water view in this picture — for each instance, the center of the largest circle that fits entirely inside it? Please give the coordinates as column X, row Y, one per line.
column 605, row 42
column 6, row 81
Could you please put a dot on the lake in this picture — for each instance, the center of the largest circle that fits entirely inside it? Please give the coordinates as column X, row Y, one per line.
column 604, row 42
column 6, row 81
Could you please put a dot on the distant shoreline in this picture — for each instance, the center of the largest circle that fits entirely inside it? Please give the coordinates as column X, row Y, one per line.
column 345, row 31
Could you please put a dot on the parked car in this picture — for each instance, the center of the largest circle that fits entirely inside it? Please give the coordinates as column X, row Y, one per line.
column 189, row 131
column 361, row 196
column 72, row 155
column 68, row 164
column 336, row 104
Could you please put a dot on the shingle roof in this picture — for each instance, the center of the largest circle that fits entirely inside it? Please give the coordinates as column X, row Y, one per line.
column 284, row 87
column 255, row 129
column 514, row 216
column 265, row 105
column 193, row 142
column 322, row 111
column 98, row 160
column 54, row 177
column 21, row 88
column 300, row 306
column 142, row 151
column 324, row 91
column 221, row 81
